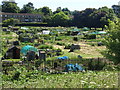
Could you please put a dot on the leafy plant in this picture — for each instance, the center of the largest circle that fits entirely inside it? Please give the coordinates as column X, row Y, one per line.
column 45, row 47
column 112, row 42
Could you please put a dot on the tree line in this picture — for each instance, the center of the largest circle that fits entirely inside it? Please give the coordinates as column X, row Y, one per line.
column 90, row 17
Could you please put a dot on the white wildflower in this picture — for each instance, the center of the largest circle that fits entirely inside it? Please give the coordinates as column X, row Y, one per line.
column 92, row 83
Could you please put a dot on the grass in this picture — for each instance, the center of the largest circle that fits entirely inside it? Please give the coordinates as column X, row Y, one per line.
column 14, row 60
column 89, row 79
column 86, row 51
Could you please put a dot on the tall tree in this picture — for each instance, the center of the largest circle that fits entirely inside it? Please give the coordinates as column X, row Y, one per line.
column 10, row 7
column 28, row 8
column 112, row 42
column 66, row 11
column 83, row 18
column 101, row 16
column 116, row 9
column 60, row 19
column 46, row 11
column 57, row 10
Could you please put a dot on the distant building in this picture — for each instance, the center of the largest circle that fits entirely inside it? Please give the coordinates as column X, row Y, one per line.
column 22, row 17
column 116, row 8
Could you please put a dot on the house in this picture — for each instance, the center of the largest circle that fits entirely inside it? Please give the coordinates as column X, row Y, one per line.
column 22, row 17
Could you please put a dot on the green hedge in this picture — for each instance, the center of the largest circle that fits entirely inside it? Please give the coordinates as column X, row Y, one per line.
column 32, row 24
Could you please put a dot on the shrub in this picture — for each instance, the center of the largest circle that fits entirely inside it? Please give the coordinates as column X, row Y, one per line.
column 59, row 53
column 96, row 64
column 60, row 43
column 58, row 38
column 92, row 36
column 67, row 46
column 75, row 38
column 45, row 47
column 59, row 50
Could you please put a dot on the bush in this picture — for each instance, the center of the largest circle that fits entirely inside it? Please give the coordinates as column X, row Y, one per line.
column 45, row 47
column 58, row 38
column 60, row 43
column 92, row 36
column 67, row 46
column 75, row 38
column 96, row 64
column 59, row 53
column 10, row 21
column 59, row 50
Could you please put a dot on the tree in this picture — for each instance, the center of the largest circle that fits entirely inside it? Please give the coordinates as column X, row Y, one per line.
column 116, row 9
column 57, row 10
column 112, row 42
column 11, row 22
column 60, row 19
column 100, row 17
column 10, row 7
column 66, row 11
column 83, row 18
column 46, row 11
column 28, row 8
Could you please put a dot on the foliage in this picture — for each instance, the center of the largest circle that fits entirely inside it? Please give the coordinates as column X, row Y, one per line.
column 58, row 9
column 10, row 7
column 82, row 18
column 90, row 36
column 112, row 41
column 101, row 16
column 75, row 38
column 37, row 79
column 28, row 8
column 58, row 38
column 117, row 11
column 60, row 43
column 31, row 24
column 10, row 21
column 60, row 19
column 67, row 46
column 91, row 17
column 46, row 11
column 45, row 47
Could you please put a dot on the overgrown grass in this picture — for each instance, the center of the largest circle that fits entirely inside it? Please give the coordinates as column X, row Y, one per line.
column 89, row 79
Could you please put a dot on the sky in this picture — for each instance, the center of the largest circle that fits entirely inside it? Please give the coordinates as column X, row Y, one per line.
column 70, row 4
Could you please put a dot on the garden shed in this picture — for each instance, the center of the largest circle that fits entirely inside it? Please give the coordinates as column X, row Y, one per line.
column 27, row 39
column 45, row 32
column 75, row 46
column 15, row 29
column 73, row 31
column 13, row 52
